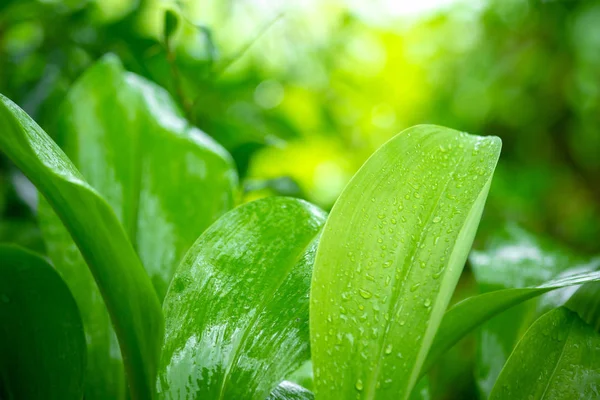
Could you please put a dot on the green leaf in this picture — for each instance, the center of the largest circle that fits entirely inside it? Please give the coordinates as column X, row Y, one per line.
column 237, row 308
column 42, row 345
column 586, row 302
column 390, row 256
column 130, row 298
column 290, row 391
column 558, row 358
column 472, row 312
column 515, row 258
column 167, row 182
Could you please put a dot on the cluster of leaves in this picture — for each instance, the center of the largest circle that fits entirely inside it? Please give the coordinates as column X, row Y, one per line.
column 138, row 211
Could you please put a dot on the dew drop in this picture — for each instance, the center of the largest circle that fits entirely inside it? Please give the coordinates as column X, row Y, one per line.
column 359, row 385
column 427, row 302
column 388, row 349
column 415, row 287
column 436, row 220
column 365, row 294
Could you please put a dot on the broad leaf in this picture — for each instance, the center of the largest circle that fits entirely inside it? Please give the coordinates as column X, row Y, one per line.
column 167, row 182
column 290, row 391
column 42, row 345
column 127, row 291
column 557, row 358
column 389, row 258
column 474, row 311
column 586, row 302
column 237, row 308
column 515, row 258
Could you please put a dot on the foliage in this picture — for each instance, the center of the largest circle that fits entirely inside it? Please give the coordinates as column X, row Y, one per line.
column 224, row 211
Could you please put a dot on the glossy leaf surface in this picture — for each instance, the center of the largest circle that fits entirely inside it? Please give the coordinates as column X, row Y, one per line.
column 166, row 181
column 290, row 391
column 515, row 258
column 237, row 308
column 390, row 256
column 557, row 358
column 42, row 345
column 126, row 289
column 472, row 312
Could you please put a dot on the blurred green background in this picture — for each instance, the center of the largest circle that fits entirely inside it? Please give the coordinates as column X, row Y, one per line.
column 302, row 92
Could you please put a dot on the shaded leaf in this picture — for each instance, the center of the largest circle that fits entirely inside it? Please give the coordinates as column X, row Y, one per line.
column 166, row 181
column 127, row 291
column 390, row 256
column 472, row 312
column 237, row 309
column 516, row 258
column 42, row 345
column 557, row 358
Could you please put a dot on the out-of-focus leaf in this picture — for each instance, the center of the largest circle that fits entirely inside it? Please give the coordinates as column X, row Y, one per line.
column 557, row 358
column 237, row 308
column 586, row 302
column 127, row 291
column 472, row 312
column 42, row 345
column 389, row 259
column 167, row 182
column 287, row 390
column 515, row 258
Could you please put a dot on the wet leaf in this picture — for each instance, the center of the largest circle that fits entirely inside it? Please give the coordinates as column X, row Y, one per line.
column 42, row 345
column 474, row 311
column 237, row 309
column 390, row 256
column 515, row 258
column 290, row 391
column 167, row 182
column 557, row 358
column 126, row 289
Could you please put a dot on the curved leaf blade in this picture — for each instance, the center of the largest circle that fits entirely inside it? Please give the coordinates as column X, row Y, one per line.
column 105, row 371
column 472, row 312
column 390, row 256
column 569, row 368
column 166, row 181
column 515, row 258
column 287, row 390
column 237, row 308
column 127, row 291
column 42, row 345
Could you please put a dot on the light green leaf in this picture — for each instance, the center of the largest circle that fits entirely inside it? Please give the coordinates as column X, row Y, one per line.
column 390, row 256
column 515, row 258
column 237, row 308
column 42, row 345
column 130, row 298
column 472, row 312
column 290, row 391
column 167, row 182
column 557, row 358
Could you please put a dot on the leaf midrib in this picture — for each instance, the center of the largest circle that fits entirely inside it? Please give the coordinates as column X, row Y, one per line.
column 397, row 288
column 261, row 306
column 562, row 352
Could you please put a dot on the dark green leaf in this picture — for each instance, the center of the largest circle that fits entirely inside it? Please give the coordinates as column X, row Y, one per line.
column 42, row 345
column 237, row 308
column 130, row 298
column 515, row 258
column 390, row 256
column 166, row 180
column 557, row 358
column 472, row 312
